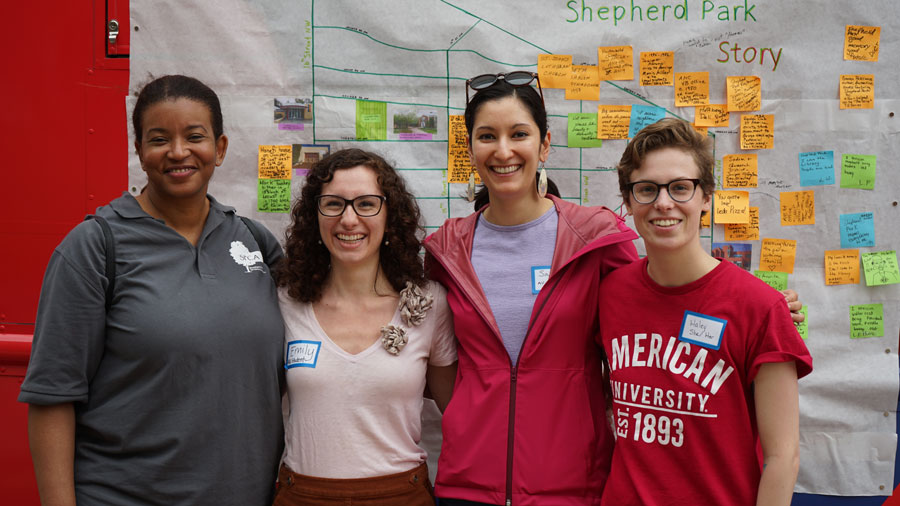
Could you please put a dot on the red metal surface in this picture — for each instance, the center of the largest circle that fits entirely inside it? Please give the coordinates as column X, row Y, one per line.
column 65, row 153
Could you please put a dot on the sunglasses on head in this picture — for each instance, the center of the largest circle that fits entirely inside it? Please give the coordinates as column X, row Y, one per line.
column 515, row 79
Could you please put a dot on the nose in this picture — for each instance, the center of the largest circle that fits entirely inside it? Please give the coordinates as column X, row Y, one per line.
column 349, row 216
column 664, row 200
column 503, row 149
column 178, row 149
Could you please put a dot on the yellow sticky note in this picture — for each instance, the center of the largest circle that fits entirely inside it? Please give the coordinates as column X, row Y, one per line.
column 555, row 70
column 857, row 91
column 732, row 206
column 757, row 131
column 842, row 267
column 657, row 68
column 613, row 121
column 739, row 171
column 861, row 42
column 705, row 221
column 691, row 88
column 778, row 255
column 616, row 63
column 744, row 93
column 584, row 83
column 798, row 208
column 742, row 231
column 702, row 129
column 711, row 115
column 274, row 162
column 458, row 164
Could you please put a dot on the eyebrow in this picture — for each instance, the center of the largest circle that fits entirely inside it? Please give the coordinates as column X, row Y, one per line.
column 189, row 127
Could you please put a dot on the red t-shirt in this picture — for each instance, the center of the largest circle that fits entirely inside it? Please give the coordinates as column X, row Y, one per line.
column 682, row 364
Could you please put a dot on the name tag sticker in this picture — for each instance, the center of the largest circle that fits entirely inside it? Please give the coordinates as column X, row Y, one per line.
column 702, row 330
column 539, row 276
column 302, row 354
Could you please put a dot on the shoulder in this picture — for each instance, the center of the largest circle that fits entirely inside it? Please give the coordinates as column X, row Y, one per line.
column 453, row 229
column 752, row 288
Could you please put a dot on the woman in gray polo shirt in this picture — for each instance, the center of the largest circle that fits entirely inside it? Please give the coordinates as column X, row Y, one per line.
column 167, row 390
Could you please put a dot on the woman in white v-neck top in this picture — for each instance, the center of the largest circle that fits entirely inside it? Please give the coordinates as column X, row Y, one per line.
column 365, row 333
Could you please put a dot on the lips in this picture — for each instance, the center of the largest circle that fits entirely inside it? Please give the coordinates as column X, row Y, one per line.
column 665, row 222
column 505, row 169
column 180, row 170
column 350, row 237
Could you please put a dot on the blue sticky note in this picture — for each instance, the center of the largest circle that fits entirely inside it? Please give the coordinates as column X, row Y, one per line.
column 643, row 115
column 816, row 168
column 857, row 230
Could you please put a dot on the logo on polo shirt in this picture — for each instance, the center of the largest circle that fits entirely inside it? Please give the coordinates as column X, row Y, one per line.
column 245, row 257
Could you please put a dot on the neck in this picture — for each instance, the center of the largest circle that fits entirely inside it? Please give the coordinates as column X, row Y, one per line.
column 177, row 213
column 507, row 212
column 357, row 281
column 679, row 268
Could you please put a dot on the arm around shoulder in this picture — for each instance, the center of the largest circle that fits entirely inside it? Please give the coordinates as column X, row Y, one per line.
column 777, row 416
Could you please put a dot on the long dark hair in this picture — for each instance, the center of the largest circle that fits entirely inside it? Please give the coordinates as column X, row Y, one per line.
column 307, row 262
column 533, row 103
column 171, row 88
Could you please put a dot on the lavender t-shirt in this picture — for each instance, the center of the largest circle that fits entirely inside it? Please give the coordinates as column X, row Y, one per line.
column 510, row 262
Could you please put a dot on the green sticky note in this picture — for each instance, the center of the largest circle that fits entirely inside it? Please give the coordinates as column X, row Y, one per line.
column 777, row 280
column 881, row 268
column 803, row 328
column 371, row 120
column 273, row 195
column 858, row 171
column 583, row 130
column 866, row 320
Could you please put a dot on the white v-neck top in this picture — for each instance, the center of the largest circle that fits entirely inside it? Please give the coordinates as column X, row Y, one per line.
column 358, row 415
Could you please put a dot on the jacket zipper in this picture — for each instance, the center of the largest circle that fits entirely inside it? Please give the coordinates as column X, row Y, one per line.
column 513, row 377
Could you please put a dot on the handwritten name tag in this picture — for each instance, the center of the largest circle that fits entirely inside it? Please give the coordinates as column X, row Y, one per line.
column 302, row 354
column 702, row 330
column 539, row 276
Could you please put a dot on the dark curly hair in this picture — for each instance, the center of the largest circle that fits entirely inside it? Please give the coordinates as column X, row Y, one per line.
column 307, row 262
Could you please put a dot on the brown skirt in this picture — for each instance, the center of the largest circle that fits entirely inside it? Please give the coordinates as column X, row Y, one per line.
column 410, row 488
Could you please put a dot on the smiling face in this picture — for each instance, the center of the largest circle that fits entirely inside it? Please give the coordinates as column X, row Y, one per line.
column 178, row 149
column 665, row 225
column 353, row 240
column 505, row 146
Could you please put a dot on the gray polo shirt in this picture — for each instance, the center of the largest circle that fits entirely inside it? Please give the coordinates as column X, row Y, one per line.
column 176, row 389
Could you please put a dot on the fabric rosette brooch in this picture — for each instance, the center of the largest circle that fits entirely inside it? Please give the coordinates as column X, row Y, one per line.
column 414, row 303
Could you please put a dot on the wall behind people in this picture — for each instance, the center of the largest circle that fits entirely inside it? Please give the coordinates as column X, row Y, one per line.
column 806, row 141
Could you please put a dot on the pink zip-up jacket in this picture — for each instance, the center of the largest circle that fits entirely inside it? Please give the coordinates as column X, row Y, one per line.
column 537, row 433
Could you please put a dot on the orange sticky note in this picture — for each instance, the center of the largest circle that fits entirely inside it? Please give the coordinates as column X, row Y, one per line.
column 555, row 70
column 744, row 232
column 798, row 208
column 858, row 91
column 732, row 206
column 739, row 171
column 657, row 68
column 613, row 121
column 274, row 162
column 744, row 93
column 842, row 267
column 757, row 131
column 584, row 83
column 778, row 255
column 702, row 129
column 691, row 88
column 459, row 166
column 711, row 115
column 616, row 63
column 705, row 221
column 861, row 42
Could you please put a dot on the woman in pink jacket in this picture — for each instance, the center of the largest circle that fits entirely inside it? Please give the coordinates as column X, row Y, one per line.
column 527, row 423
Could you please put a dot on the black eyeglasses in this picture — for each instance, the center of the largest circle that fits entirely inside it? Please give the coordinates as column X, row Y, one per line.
column 365, row 206
column 517, row 78
column 680, row 190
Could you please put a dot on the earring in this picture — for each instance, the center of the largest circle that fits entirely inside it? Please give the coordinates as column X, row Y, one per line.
column 542, row 182
column 386, row 242
column 470, row 190
column 319, row 241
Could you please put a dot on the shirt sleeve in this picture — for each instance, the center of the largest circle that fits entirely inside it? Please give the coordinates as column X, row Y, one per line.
column 443, row 342
column 779, row 341
column 70, row 329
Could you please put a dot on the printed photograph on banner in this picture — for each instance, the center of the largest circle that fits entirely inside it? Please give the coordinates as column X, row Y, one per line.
column 412, row 123
column 303, row 156
column 293, row 113
column 740, row 254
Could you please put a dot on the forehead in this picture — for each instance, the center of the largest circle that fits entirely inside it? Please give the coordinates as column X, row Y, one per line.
column 176, row 112
column 665, row 164
column 505, row 111
column 352, row 182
